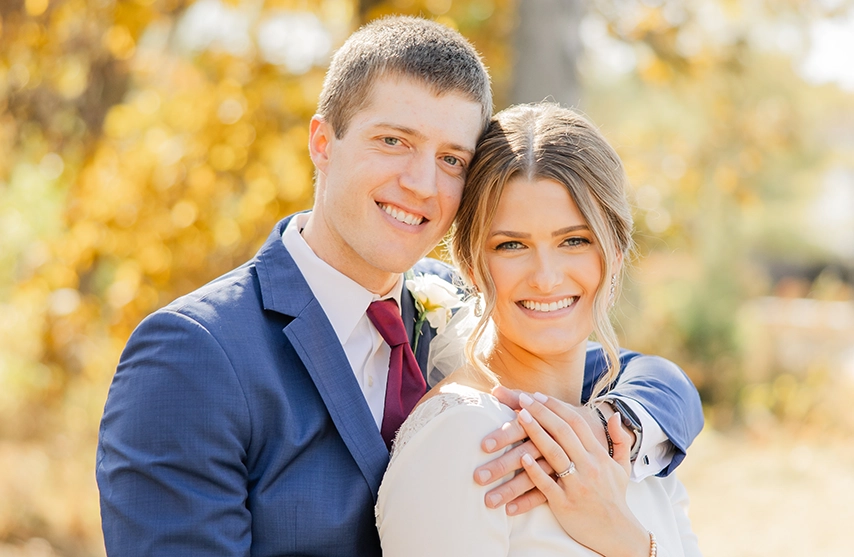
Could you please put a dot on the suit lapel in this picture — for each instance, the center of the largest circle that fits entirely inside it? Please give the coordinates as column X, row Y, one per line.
column 314, row 340
column 284, row 290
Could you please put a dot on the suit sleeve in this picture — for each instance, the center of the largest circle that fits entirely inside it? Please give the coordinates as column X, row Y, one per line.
column 663, row 390
column 171, row 448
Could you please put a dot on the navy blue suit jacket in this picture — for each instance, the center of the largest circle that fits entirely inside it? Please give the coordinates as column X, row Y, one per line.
column 235, row 426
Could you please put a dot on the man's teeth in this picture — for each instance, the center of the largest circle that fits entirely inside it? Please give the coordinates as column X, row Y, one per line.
column 402, row 216
column 554, row 306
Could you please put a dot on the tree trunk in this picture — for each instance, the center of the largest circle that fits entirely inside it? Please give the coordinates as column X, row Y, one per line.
column 547, row 50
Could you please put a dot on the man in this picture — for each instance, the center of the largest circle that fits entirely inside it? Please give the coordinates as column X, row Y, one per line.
column 246, row 417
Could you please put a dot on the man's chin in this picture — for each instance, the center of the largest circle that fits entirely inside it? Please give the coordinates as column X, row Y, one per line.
column 398, row 265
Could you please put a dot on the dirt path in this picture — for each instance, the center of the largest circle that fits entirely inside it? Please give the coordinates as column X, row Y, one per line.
column 770, row 497
column 773, row 497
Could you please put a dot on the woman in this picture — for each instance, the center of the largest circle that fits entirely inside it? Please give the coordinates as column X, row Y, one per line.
column 542, row 232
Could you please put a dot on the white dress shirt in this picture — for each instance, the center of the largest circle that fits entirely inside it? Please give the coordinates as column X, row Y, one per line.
column 345, row 303
column 655, row 451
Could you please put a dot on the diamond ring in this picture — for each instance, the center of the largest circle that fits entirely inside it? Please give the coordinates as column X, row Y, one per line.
column 568, row 471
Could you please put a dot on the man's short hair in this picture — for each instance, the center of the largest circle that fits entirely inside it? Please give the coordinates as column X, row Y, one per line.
column 401, row 46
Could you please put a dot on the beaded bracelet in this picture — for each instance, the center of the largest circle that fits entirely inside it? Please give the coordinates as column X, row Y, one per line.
column 607, row 433
column 653, row 545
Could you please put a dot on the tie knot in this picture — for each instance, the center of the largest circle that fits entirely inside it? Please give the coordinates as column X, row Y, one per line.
column 386, row 318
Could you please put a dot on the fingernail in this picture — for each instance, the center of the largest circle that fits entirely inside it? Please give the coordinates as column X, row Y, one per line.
column 540, row 397
column 494, row 499
column 511, row 508
column 525, row 400
column 484, row 475
column 525, row 416
column 490, row 444
column 526, row 458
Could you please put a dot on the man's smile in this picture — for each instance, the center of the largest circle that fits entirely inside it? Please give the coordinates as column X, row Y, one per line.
column 400, row 215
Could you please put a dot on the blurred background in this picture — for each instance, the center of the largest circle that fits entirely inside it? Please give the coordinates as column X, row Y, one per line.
column 147, row 146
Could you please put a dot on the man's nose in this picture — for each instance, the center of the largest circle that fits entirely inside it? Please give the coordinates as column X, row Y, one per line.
column 420, row 176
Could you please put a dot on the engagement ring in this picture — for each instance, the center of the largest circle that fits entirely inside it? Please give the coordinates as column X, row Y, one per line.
column 568, row 471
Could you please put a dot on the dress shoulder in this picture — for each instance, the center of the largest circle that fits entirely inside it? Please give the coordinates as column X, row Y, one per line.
column 450, row 396
column 428, row 503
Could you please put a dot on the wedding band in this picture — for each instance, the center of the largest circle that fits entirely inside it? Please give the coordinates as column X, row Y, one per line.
column 568, row 471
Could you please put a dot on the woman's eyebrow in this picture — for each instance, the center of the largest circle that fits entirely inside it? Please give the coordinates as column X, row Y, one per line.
column 561, row 232
column 510, row 234
column 569, row 229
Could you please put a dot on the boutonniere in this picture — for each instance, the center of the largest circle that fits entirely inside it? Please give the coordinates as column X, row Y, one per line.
column 434, row 300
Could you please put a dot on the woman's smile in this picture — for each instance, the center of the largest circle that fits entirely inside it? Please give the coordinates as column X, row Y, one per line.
column 552, row 309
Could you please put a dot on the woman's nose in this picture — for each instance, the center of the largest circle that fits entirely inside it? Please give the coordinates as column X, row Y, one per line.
column 545, row 273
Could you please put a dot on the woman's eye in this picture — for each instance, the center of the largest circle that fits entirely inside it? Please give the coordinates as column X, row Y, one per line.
column 577, row 242
column 513, row 245
column 452, row 160
column 393, row 141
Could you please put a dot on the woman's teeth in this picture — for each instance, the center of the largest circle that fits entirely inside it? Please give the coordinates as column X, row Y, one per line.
column 553, row 306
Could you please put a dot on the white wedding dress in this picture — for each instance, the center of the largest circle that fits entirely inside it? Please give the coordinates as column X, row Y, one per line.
column 429, row 504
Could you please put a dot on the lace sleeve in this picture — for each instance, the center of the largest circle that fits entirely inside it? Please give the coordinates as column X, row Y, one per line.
column 428, row 503
column 430, row 409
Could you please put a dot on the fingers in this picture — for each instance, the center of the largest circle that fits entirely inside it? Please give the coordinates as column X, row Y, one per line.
column 573, row 418
column 507, row 397
column 526, row 501
column 505, row 464
column 545, row 484
column 622, row 442
column 509, row 433
column 553, row 436
column 517, row 492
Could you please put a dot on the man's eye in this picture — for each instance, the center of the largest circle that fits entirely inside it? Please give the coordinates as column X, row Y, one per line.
column 452, row 160
column 393, row 141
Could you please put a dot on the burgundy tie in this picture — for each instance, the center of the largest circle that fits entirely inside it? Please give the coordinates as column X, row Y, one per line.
column 405, row 385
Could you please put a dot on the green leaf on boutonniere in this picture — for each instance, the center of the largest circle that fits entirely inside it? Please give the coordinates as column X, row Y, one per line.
column 434, row 300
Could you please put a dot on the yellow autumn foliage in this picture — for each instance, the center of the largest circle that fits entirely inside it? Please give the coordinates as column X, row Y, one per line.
column 147, row 146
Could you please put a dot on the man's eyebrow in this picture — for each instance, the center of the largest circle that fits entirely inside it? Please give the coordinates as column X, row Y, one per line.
column 466, row 150
column 417, row 134
column 523, row 235
column 402, row 129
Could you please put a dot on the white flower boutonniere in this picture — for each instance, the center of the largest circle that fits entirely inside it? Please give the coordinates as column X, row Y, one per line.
column 434, row 300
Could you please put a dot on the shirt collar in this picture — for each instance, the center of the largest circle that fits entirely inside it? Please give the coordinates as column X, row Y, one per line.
column 344, row 301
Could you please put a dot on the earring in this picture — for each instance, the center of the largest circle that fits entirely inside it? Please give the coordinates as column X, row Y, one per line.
column 478, row 309
column 613, row 287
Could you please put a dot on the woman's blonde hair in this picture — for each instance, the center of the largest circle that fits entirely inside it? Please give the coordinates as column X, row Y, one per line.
column 535, row 142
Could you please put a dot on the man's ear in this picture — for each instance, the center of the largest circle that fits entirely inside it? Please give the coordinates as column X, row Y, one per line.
column 320, row 135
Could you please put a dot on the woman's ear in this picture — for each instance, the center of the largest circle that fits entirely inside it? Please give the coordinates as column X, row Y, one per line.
column 320, row 135
column 615, row 270
column 618, row 264
column 469, row 277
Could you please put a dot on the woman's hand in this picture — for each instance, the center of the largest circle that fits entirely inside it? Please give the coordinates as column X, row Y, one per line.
column 587, row 493
column 519, row 493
